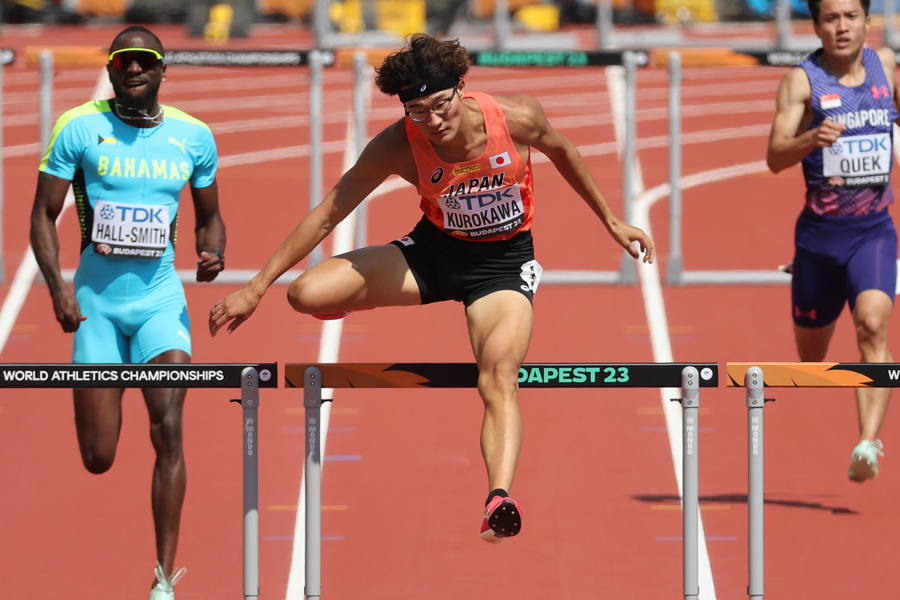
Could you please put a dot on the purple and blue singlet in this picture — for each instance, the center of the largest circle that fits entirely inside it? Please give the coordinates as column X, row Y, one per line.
column 845, row 240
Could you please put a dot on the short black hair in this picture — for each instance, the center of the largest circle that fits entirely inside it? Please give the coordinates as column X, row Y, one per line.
column 815, row 5
column 423, row 58
column 133, row 29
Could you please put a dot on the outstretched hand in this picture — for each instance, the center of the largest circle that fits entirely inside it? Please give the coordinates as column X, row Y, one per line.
column 236, row 308
column 625, row 234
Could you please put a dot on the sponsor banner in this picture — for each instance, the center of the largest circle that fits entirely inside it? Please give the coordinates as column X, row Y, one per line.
column 138, row 230
column 858, row 159
column 877, row 375
column 576, row 58
column 243, row 58
column 465, row 375
column 133, row 376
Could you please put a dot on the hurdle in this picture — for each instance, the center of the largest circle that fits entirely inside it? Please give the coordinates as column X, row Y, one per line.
column 248, row 377
column 690, row 377
column 755, row 377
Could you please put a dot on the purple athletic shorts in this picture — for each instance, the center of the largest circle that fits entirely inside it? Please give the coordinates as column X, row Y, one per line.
column 836, row 258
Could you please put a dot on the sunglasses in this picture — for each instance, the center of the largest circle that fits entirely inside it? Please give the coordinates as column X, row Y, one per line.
column 145, row 58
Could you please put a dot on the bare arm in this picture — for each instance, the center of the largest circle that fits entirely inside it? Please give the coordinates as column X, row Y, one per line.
column 210, row 232
column 529, row 126
column 48, row 203
column 889, row 62
column 787, row 147
column 380, row 159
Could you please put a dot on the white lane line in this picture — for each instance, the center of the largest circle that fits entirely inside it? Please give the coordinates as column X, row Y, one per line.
column 28, row 268
column 329, row 351
column 651, row 289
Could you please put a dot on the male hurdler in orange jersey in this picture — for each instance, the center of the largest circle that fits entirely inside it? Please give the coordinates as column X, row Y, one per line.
column 468, row 154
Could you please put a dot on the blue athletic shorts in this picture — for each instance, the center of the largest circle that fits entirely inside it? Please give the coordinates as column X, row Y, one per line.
column 836, row 258
column 133, row 330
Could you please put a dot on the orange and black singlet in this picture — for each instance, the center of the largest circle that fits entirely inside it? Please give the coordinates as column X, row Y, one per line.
column 488, row 198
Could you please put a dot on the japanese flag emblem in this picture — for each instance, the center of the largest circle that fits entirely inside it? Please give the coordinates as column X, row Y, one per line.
column 500, row 160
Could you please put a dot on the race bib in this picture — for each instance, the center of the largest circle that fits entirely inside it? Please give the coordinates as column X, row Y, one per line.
column 857, row 161
column 137, row 230
column 485, row 214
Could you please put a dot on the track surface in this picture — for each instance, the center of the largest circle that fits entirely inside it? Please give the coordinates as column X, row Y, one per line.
column 404, row 485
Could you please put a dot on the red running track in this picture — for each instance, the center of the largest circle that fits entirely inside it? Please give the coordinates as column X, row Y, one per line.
column 595, row 480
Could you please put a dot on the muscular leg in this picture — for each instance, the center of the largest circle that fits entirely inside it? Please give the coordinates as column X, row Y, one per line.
column 500, row 327
column 871, row 314
column 812, row 342
column 98, row 421
column 165, row 406
column 374, row 276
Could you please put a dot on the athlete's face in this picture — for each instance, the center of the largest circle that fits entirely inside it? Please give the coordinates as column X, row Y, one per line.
column 842, row 27
column 134, row 84
column 440, row 128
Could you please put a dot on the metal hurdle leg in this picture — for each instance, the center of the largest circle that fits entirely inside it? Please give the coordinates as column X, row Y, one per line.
column 628, row 270
column 2, row 269
column 360, row 106
column 755, row 403
column 45, row 60
column 250, row 404
column 676, row 263
column 315, row 141
column 312, row 400
column 690, row 405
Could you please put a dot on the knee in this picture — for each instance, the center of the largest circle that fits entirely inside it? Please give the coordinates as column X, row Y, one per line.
column 871, row 330
column 302, row 294
column 499, row 380
column 166, row 435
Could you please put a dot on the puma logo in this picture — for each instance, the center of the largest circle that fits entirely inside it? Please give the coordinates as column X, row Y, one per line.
column 179, row 144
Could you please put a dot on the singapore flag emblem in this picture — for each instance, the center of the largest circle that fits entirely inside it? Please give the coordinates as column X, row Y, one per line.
column 830, row 101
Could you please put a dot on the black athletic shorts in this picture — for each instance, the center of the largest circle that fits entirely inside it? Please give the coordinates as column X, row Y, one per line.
column 447, row 268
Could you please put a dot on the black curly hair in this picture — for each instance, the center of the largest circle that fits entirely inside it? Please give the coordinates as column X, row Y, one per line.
column 424, row 58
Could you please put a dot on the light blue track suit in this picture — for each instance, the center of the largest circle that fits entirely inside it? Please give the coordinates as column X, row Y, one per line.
column 127, row 182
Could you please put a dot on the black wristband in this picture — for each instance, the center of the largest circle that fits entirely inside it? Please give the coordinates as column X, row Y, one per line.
column 221, row 258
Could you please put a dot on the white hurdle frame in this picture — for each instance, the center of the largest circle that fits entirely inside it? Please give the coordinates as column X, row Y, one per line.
column 676, row 274
column 217, row 375
column 313, row 383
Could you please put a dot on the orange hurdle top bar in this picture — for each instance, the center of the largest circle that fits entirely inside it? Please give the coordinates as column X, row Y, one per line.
column 465, row 375
column 818, row 374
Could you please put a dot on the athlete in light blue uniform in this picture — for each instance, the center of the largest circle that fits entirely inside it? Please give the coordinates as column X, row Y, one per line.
column 127, row 160
column 127, row 182
column 836, row 114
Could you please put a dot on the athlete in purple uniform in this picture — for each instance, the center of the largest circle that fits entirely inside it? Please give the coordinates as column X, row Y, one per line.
column 835, row 113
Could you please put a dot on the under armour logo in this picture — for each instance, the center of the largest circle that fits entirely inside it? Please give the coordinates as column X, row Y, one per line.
column 811, row 315
column 882, row 92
